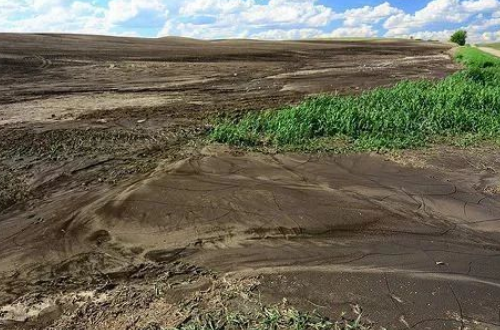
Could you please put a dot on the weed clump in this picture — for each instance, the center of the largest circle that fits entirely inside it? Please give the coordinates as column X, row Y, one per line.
column 272, row 318
column 410, row 114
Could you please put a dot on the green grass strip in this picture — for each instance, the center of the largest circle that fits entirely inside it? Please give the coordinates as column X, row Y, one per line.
column 465, row 105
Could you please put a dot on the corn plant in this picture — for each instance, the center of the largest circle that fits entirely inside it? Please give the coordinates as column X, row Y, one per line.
column 410, row 114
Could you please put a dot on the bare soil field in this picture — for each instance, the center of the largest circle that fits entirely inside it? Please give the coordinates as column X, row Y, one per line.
column 117, row 215
column 77, row 110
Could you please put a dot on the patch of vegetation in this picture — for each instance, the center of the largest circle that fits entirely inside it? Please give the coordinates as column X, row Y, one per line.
column 475, row 59
column 463, row 107
column 274, row 318
column 235, row 304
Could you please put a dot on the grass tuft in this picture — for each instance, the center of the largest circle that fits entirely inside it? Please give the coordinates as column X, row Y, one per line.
column 464, row 106
column 274, row 318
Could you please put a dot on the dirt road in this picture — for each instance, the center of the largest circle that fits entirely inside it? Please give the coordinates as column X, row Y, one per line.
column 492, row 51
column 117, row 215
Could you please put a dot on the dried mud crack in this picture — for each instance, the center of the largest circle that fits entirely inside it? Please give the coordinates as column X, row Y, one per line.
column 116, row 215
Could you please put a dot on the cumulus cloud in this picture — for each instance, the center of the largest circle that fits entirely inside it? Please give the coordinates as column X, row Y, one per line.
column 369, row 14
column 292, row 34
column 269, row 19
column 55, row 16
column 301, row 12
column 438, row 11
column 363, row 31
column 248, row 18
column 490, row 36
column 199, row 7
column 120, row 11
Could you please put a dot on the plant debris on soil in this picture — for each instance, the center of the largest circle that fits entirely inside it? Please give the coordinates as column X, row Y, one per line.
column 161, row 295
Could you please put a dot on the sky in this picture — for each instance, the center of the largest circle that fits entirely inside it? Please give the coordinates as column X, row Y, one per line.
column 263, row 19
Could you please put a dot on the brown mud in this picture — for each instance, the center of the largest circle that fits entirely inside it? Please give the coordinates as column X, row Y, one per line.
column 115, row 218
column 416, row 248
column 81, row 110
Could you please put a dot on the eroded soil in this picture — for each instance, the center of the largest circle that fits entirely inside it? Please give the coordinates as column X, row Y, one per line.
column 415, row 248
column 115, row 216
column 81, row 110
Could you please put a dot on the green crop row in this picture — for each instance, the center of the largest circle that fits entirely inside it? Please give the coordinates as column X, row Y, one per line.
column 410, row 114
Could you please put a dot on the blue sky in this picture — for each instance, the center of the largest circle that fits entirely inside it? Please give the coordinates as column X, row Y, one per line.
column 267, row 19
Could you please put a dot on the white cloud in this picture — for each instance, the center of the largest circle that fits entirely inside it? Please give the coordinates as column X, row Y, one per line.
column 43, row 5
column 453, row 11
column 369, row 15
column 304, row 12
column 236, row 18
column 477, row 6
column 292, row 34
column 199, row 7
column 204, row 31
column 270, row 19
column 120, row 11
column 474, row 35
column 57, row 16
column 363, row 31
column 490, row 36
column 432, row 35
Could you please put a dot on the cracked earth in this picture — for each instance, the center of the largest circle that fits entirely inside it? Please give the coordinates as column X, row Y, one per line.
column 124, row 219
column 416, row 248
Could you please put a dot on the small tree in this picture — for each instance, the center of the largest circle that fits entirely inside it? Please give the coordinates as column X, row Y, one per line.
column 459, row 37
